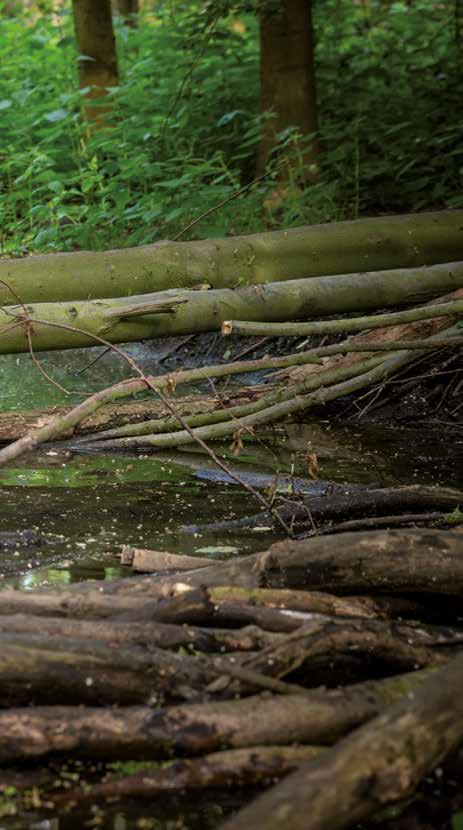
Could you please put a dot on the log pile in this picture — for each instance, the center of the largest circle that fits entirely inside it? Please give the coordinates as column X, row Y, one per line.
column 334, row 670
column 249, row 285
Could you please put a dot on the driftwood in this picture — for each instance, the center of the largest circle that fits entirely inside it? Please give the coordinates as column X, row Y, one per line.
column 377, row 765
column 151, row 561
column 396, row 561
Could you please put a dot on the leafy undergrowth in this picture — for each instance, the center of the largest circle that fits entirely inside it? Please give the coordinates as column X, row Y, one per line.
column 186, row 126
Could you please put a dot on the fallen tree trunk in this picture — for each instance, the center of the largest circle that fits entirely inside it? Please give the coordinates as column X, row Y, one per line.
column 16, row 424
column 54, row 324
column 146, row 634
column 395, row 561
column 85, row 672
column 339, row 504
column 318, row 717
column 377, row 765
column 345, row 247
column 246, row 768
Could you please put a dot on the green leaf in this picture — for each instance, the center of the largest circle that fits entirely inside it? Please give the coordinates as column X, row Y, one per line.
column 56, row 115
column 5, row 103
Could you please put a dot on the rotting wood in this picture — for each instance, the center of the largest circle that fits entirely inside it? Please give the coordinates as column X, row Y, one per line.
column 318, row 717
column 379, row 764
column 356, row 504
column 258, row 765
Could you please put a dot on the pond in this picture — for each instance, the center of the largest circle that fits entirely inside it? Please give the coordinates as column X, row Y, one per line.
column 80, row 508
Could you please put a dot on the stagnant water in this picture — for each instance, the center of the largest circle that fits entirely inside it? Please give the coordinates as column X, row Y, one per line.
column 82, row 508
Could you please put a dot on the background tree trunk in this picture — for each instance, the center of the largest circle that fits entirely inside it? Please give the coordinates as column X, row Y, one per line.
column 287, row 74
column 128, row 10
column 96, row 45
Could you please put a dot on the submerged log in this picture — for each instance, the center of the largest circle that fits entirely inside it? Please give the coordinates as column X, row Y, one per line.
column 14, row 425
column 344, row 247
column 358, row 503
column 54, row 324
column 379, row 764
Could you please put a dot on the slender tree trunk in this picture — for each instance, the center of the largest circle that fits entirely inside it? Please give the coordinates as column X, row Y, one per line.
column 287, row 74
column 128, row 10
column 96, row 45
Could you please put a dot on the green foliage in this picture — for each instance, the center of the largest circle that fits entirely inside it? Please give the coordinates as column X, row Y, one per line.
column 185, row 125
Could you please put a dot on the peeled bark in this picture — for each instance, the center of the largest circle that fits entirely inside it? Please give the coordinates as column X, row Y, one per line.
column 97, row 59
column 386, row 242
column 287, row 76
column 207, row 310
column 379, row 764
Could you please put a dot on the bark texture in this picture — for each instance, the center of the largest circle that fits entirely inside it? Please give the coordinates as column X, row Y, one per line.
column 287, row 74
column 97, row 58
column 136, row 732
column 385, row 242
column 128, row 10
column 207, row 310
column 379, row 764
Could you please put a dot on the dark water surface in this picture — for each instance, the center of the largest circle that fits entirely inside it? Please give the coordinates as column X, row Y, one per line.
column 86, row 506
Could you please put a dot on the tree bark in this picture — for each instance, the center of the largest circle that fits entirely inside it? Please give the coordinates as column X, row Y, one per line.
column 128, row 10
column 207, row 310
column 317, row 718
column 97, row 58
column 287, row 73
column 14, row 425
column 379, row 764
column 244, row 768
column 384, row 562
column 381, row 243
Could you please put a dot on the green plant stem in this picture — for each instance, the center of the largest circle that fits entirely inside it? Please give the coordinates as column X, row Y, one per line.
column 333, row 326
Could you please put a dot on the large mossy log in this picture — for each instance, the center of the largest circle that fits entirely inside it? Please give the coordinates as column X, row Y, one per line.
column 362, row 245
column 379, row 764
column 114, row 320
